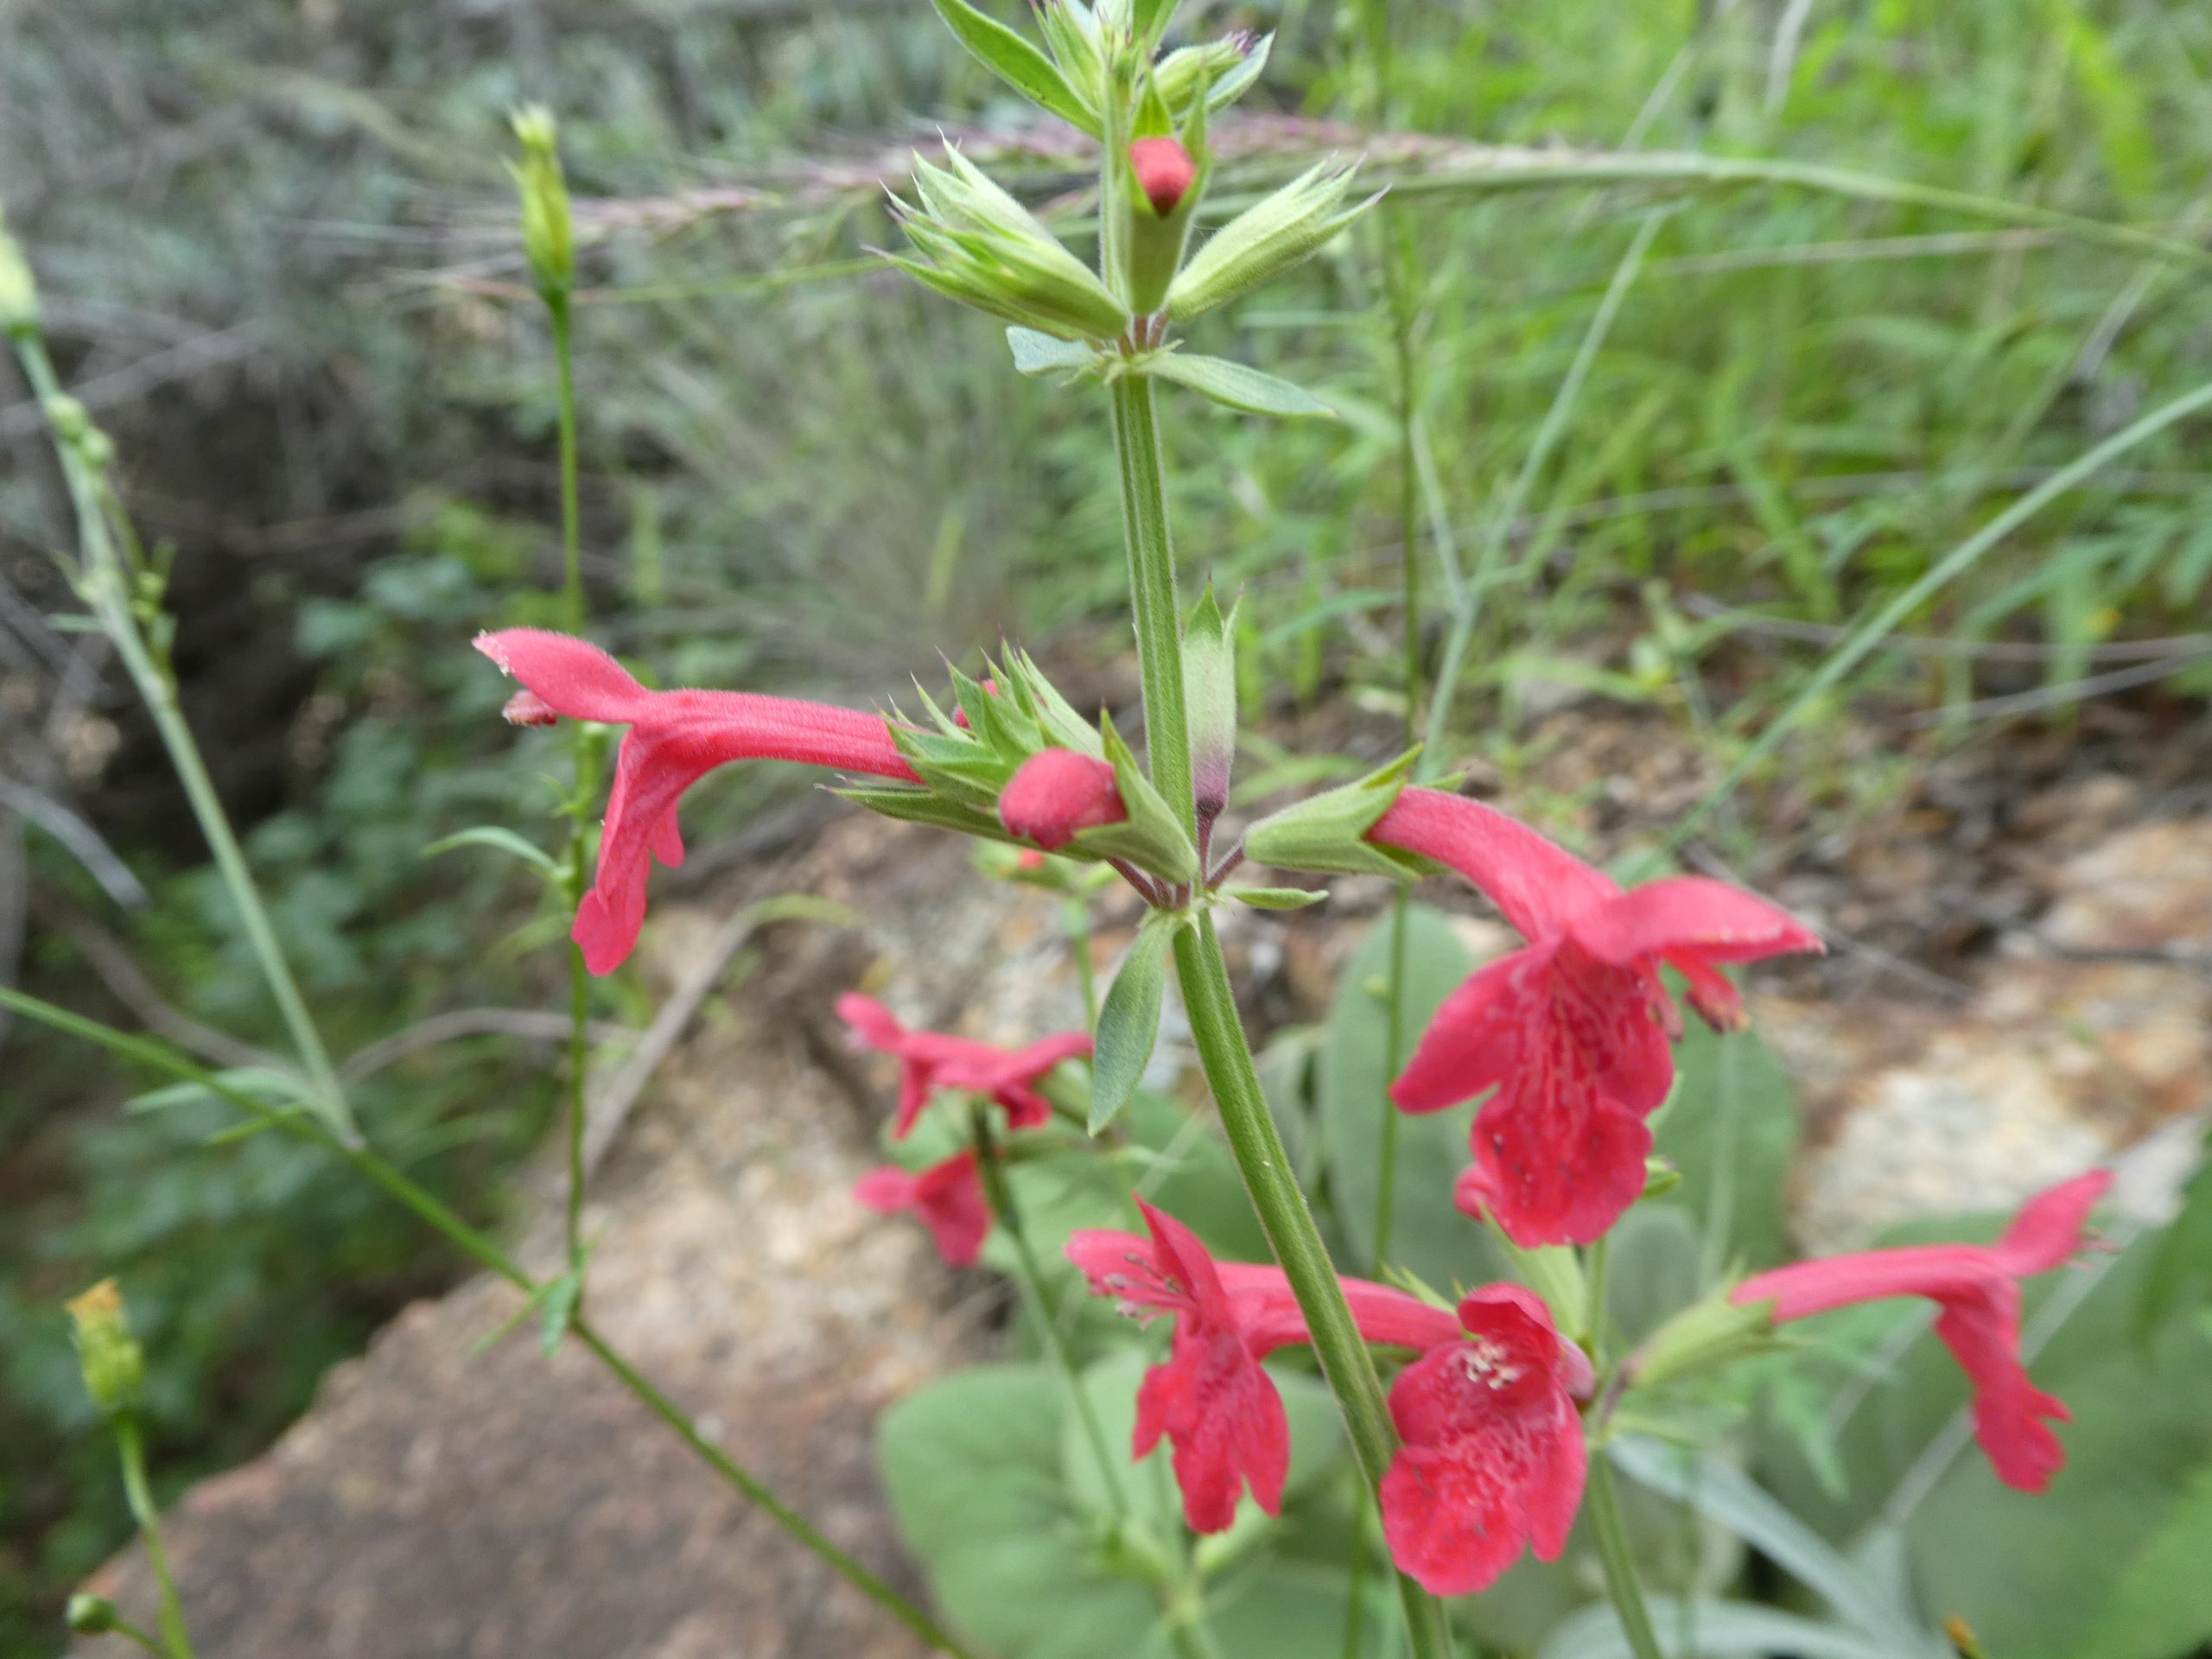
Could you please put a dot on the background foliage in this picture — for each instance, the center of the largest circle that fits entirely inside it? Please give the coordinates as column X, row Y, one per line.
column 277, row 237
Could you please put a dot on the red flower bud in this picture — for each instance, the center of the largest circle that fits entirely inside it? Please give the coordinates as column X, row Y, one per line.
column 1057, row 794
column 1164, row 170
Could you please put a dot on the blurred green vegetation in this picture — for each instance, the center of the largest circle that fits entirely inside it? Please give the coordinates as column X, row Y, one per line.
column 278, row 249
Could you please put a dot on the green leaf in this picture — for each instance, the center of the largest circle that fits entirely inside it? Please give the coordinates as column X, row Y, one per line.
column 1013, row 60
column 2163, row 1603
column 1730, row 1129
column 1037, row 352
column 1276, row 898
column 273, row 1088
column 1716, row 1630
column 974, row 1467
column 505, row 840
column 1238, row 386
column 1725, row 1495
column 1129, row 1020
column 1428, row 1233
column 557, row 1310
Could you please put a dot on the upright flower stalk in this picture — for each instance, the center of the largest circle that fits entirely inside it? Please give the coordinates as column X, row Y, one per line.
column 548, row 246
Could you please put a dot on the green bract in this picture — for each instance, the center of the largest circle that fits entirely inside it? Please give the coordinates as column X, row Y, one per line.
column 1265, row 239
column 1210, row 701
column 980, row 246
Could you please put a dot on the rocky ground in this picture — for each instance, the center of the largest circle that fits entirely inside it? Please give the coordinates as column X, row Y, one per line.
column 2022, row 985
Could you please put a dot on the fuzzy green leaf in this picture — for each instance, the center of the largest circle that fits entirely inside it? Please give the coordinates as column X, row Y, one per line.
column 1128, row 1021
column 1037, row 352
column 1239, row 386
column 1016, row 62
column 1276, row 898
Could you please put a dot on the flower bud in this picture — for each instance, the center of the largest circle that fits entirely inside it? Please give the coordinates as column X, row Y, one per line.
column 1209, row 700
column 93, row 1615
column 1057, row 794
column 1164, row 170
column 1161, row 183
column 18, row 291
column 547, row 234
column 113, row 1368
column 1326, row 833
column 1265, row 240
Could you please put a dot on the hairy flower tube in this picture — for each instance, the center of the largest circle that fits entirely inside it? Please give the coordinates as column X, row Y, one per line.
column 1978, row 1289
column 1212, row 1399
column 1493, row 1456
column 674, row 739
column 1572, row 1031
column 947, row 1198
column 1057, row 794
column 929, row 1060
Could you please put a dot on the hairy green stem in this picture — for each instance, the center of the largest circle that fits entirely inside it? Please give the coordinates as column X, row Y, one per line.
column 561, row 322
column 106, row 584
column 1346, row 1365
column 1151, row 592
column 998, row 1191
column 177, row 1640
column 755, row 1492
column 1604, row 1512
column 486, row 1254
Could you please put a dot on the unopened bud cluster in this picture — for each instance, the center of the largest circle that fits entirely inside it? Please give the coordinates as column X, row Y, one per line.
column 107, row 1355
column 548, row 232
column 1101, row 72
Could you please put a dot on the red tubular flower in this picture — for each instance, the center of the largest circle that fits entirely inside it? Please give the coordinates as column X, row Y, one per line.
column 1217, row 1408
column 1572, row 1030
column 674, row 739
column 1057, row 793
column 1493, row 1457
column 948, row 1198
column 1978, row 1288
column 929, row 1061
column 1164, row 170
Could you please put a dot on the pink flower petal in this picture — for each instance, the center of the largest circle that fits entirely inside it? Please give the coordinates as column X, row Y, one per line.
column 1536, row 883
column 1710, row 919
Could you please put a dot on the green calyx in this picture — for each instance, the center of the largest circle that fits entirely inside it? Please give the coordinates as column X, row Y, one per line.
column 1327, row 833
column 965, row 760
column 974, row 243
column 1210, row 701
column 1151, row 837
column 1703, row 1337
column 1267, row 239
